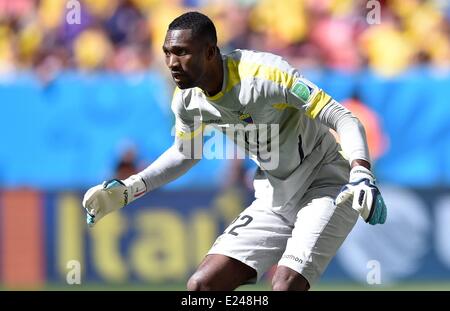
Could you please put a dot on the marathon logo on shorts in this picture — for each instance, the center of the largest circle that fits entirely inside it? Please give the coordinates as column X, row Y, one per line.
column 292, row 257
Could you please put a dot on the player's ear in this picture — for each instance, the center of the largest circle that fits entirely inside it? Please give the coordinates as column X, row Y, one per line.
column 211, row 51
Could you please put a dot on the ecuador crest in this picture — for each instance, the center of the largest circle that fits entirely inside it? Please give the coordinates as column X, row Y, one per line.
column 246, row 118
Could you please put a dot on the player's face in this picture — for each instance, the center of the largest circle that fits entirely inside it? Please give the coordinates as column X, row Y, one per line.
column 185, row 57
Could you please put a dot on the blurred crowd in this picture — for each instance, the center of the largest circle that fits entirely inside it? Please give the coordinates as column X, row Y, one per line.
column 126, row 36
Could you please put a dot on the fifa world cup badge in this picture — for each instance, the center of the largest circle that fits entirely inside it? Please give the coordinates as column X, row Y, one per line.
column 301, row 90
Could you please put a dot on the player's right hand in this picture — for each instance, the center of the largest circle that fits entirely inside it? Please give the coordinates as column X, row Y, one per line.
column 111, row 196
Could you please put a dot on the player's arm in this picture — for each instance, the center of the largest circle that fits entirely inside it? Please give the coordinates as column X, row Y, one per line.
column 174, row 162
column 351, row 132
column 115, row 194
column 361, row 188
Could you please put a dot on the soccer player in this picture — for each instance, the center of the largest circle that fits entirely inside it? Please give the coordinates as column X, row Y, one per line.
column 307, row 195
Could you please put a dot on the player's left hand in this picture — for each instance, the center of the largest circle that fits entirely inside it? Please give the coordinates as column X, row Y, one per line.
column 367, row 199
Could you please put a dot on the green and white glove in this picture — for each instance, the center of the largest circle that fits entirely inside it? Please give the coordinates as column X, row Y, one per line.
column 111, row 196
column 366, row 197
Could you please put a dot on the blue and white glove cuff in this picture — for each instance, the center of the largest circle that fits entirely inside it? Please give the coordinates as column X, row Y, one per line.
column 359, row 173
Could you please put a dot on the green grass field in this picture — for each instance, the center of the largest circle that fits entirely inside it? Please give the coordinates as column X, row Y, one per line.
column 324, row 286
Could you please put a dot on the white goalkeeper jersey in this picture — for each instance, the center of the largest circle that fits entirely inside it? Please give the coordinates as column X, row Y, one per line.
column 270, row 110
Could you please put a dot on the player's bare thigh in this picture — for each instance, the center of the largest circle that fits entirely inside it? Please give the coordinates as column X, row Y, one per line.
column 220, row 272
column 286, row 279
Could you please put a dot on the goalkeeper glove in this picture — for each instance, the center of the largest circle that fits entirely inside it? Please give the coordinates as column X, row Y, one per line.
column 111, row 196
column 367, row 199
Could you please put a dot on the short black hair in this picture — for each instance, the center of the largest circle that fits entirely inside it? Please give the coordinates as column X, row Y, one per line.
column 200, row 24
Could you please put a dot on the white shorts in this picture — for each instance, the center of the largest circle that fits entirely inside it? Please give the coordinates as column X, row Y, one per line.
column 305, row 239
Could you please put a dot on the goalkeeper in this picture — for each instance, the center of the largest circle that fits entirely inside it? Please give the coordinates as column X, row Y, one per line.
column 307, row 195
